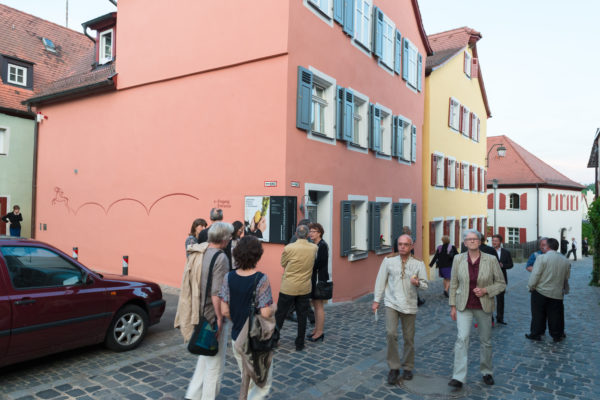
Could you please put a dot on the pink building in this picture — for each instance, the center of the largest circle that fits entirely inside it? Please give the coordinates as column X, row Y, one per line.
column 208, row 103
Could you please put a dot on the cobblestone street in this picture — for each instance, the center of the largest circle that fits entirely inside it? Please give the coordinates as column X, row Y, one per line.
column 350, row 363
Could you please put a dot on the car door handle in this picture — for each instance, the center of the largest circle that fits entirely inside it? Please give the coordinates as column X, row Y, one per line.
column 24, row 302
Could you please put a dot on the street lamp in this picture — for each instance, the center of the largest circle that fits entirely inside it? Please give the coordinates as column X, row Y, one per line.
column 495, row 186
column 501, row 152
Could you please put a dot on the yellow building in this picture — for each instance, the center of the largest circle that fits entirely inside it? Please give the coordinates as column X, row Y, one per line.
column 454, row 140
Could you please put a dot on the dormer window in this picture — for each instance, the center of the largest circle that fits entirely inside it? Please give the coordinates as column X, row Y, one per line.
column 17, row 75
column 106, row 47
column 49, row 45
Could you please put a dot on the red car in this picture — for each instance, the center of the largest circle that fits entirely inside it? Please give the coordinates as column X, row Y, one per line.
column 49, row 302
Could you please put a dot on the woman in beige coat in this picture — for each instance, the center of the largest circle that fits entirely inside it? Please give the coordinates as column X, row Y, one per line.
column 476, row 279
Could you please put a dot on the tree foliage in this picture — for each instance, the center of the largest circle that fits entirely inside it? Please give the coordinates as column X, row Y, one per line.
column 594, row 220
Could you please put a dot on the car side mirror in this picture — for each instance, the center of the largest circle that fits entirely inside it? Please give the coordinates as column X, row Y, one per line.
column 86, row 279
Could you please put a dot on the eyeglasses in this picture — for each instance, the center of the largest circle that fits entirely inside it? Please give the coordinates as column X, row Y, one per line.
column 472, row 240
column 404, row 244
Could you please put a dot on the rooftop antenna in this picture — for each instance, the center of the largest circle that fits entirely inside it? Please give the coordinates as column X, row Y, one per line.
column 66, row 13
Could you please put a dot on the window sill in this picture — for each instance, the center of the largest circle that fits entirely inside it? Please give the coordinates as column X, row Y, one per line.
column 384, row 250
column 322, row 135
column 356, row 255
column 358, row 146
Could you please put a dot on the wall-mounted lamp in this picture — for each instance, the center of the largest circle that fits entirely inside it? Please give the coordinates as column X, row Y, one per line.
column 501, row 152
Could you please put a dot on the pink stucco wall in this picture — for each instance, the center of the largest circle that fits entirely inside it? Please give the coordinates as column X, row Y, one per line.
column 186, row 125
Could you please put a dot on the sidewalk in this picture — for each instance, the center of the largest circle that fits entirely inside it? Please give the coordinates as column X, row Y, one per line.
column 350, row 363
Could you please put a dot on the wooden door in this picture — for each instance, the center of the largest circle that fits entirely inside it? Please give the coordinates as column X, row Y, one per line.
column 3, row 212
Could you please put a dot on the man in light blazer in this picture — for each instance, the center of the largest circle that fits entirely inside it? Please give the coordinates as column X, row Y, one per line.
column 506, row 262
column 548, row 283
column 476, row 279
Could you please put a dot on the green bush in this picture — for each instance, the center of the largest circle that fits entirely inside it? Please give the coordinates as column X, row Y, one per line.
column 586, row 231
column 594, row 222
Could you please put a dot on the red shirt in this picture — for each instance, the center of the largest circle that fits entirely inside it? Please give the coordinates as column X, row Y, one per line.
column 473, row 301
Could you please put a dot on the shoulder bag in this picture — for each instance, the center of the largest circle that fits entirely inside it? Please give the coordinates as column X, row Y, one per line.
column 323, row 290
column 204, row 340
column 256, row 344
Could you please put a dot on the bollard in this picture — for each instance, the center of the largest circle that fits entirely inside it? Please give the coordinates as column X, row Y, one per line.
column 125, row 265
column 75, row 253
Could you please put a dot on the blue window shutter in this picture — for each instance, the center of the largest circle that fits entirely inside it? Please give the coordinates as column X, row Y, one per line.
column 405, row 50
column 348, row 27
column 397, row 52
column 375, row 116
column 345, row 226
column 377, row 31
column 339, row 113
column 338, row 11
column 348, row 115
column 397, row 221
column 414, row 143
column 419, row 70
column 400, row 138
column 374, row 226
column 413, row 222
column 394, row 136
column 304, row 109
column 371, row 127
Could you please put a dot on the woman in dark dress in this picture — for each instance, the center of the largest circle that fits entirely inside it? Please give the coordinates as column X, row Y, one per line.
column 321, row 274
column 236, row 297
column 443, row 257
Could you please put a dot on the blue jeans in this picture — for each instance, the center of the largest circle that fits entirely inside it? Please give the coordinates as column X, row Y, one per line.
column 15, row 231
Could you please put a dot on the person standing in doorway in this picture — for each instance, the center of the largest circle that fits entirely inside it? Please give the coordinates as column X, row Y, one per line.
column 399, row 277
column 14, row 218
column 506, row 262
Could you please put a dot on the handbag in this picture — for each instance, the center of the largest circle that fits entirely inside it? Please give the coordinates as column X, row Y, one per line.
column 256, row 344
column 323, row 290
column 204, row 340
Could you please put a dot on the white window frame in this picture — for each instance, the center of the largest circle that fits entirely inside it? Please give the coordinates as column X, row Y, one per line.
column 324, row 6
column 466, row 121
column 466, row 176
column 388, row 40
column 452, row 173
column 412, row 64
column 359, row 224
column 468, row 63
column 103, row 58
column 475, row 178
column 361, row 116
column 473, row 122
column 512, row 235
column 406, row 137
column 17, row 69
column 482, row 178
column 385, row 220
column 439, row 173
column 454, row 114
column 362, row 22
column 386, row 130
column 329, row 85
column 4, row 141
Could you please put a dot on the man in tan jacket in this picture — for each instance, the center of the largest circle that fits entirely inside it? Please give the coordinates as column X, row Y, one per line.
column 548, row 283
column 397, row 281
column 297, row 260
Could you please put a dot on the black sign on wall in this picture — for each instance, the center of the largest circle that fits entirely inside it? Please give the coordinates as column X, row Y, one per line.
column 282, row 218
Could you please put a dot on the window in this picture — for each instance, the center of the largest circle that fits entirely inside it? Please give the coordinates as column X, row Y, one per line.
column 451, row 175
column 388, row 32
column 3, row 142
column 322, row 5
column 363, row 22
column 465, row 122
column 466, row 176
column 412, row 64
column 437, row 170
column 513, row 235
column 468, row 63
column 358, row 226
column 513, row 201
column 361, row 121
column 386, row 132
column 354, row 227
column 17, row 75
column 385, row 225
column 475, row 179
column 49, row 45
column 405, row 136
column 320, row 104
column 453, row 114
column 106, row 47
column 315, row 112
column 473, row 127
column 31, row 267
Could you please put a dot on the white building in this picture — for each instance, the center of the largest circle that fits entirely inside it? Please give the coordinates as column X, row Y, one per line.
column 532, row 198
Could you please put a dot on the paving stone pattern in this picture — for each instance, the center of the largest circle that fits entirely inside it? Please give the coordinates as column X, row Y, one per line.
column 350, row 363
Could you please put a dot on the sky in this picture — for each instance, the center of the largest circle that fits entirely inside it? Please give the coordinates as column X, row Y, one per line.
column 537, row 58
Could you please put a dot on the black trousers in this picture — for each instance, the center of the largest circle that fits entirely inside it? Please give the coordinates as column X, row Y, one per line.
column 547, row 309
column 500, row 307
column 302, row 304
column 574, row 254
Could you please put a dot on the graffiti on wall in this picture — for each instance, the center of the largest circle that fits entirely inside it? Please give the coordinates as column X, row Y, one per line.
column 61, row 199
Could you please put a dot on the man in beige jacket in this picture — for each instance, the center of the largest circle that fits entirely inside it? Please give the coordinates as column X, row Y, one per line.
column 397, row 281
column 548, row 283
column 297, row 260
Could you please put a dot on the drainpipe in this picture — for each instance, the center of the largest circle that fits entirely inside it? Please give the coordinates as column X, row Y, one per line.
column 34, row 177
column 537, row 209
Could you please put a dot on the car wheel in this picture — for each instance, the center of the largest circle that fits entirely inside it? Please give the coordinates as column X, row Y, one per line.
column 127, row 329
